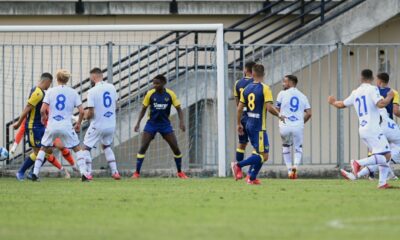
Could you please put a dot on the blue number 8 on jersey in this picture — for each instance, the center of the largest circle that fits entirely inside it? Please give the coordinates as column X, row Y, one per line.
column 60, row 104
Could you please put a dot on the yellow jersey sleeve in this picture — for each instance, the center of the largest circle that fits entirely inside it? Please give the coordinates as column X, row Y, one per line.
column 267, row 94
column 242, row 99
column 36, row 97
column 235, row 93
column 146, row 100
column 175, row 100
column 396, row 99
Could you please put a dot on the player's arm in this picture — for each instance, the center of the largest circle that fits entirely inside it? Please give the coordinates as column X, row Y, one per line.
column 268, row 99
column 89, row 113
column 337, row 104
column 181, row 119
column 271, row 109
column 44, row 113
column 385, row 101
column 396, row 103
column 236, row 93
column 141, row 115
column 240, row 108
column 307, row 109
column 23, row 115
column 80, row 118
column 307, row 115
column 177, row 104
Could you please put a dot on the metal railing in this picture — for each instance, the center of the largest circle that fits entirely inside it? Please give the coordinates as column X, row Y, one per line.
column 303, row 13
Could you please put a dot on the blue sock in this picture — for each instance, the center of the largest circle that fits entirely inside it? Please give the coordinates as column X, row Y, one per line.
column 252, row 160
column 239, row 155
column 256, row 170
column 26, row 165
column 139, row 162
column 178, row 162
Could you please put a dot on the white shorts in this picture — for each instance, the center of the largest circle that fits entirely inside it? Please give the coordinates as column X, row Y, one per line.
column 392, row 133
column 67, row 135
column 292, row 135
column 94, row 135
column 377, row 143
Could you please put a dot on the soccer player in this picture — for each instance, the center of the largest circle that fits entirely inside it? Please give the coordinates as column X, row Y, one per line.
column 382, row 80
column 160, row 99
column 240, row 85
column 101, row 111
column 392, row 132
column 57, row 109
column 57, row 144
column 257, row 98
column 367, row 100
column 33, row 126
column 295, row 106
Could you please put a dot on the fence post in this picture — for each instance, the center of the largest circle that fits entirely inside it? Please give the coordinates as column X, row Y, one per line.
column 110, row 62
column 340, row 119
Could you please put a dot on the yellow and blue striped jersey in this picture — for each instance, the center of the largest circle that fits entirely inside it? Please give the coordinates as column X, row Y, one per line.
column 160, row 104
column 254, row 97
column 395, row 100
column 240, row 85
column 35, row 100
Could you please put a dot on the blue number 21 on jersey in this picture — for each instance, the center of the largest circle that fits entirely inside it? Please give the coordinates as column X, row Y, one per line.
column 362, row 104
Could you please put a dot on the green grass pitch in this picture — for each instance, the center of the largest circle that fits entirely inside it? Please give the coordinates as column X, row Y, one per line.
column 197, row 209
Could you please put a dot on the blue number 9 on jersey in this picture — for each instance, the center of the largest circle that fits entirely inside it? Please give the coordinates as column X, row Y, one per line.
column 107, row 99
column 60, row 104
column 294, row 104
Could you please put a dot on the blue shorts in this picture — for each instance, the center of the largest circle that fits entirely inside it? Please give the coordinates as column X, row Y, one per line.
column 34, row 136
column 162, row 128
column 244, row 139
column 259, row 141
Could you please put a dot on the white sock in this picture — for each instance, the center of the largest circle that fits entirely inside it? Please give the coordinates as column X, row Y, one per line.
column 297, row 156
column 383, row 173
column 81, row 162
column 39, row 162
column 88, row 161
column 287, row 157
column 372, row 160
column 366, row 170
column 110, row 157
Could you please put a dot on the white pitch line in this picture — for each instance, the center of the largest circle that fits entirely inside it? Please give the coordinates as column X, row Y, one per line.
column 347, row 223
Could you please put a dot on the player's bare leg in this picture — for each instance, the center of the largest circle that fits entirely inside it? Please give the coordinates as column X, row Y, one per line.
column 145, row 143
column 173, row 143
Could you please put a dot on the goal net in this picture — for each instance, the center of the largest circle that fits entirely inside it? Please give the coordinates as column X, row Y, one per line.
column 190, row 56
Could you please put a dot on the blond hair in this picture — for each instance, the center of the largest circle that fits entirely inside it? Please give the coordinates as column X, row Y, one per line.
column 63, row 75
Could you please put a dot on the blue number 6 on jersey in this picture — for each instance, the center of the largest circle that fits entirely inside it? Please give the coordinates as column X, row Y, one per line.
column 107, row 99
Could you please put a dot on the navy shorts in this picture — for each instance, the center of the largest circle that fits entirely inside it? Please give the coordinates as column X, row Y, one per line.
column 244, row 139
column 259, row 141
column 34, row 136
column 162, row 128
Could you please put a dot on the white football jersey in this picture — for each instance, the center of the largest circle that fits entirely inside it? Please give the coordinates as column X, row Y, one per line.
column 62, row 101
column 103, row 98
column 292, row 104
column 364, row 100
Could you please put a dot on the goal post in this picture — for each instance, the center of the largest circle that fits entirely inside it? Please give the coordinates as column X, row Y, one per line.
column 219, row 54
